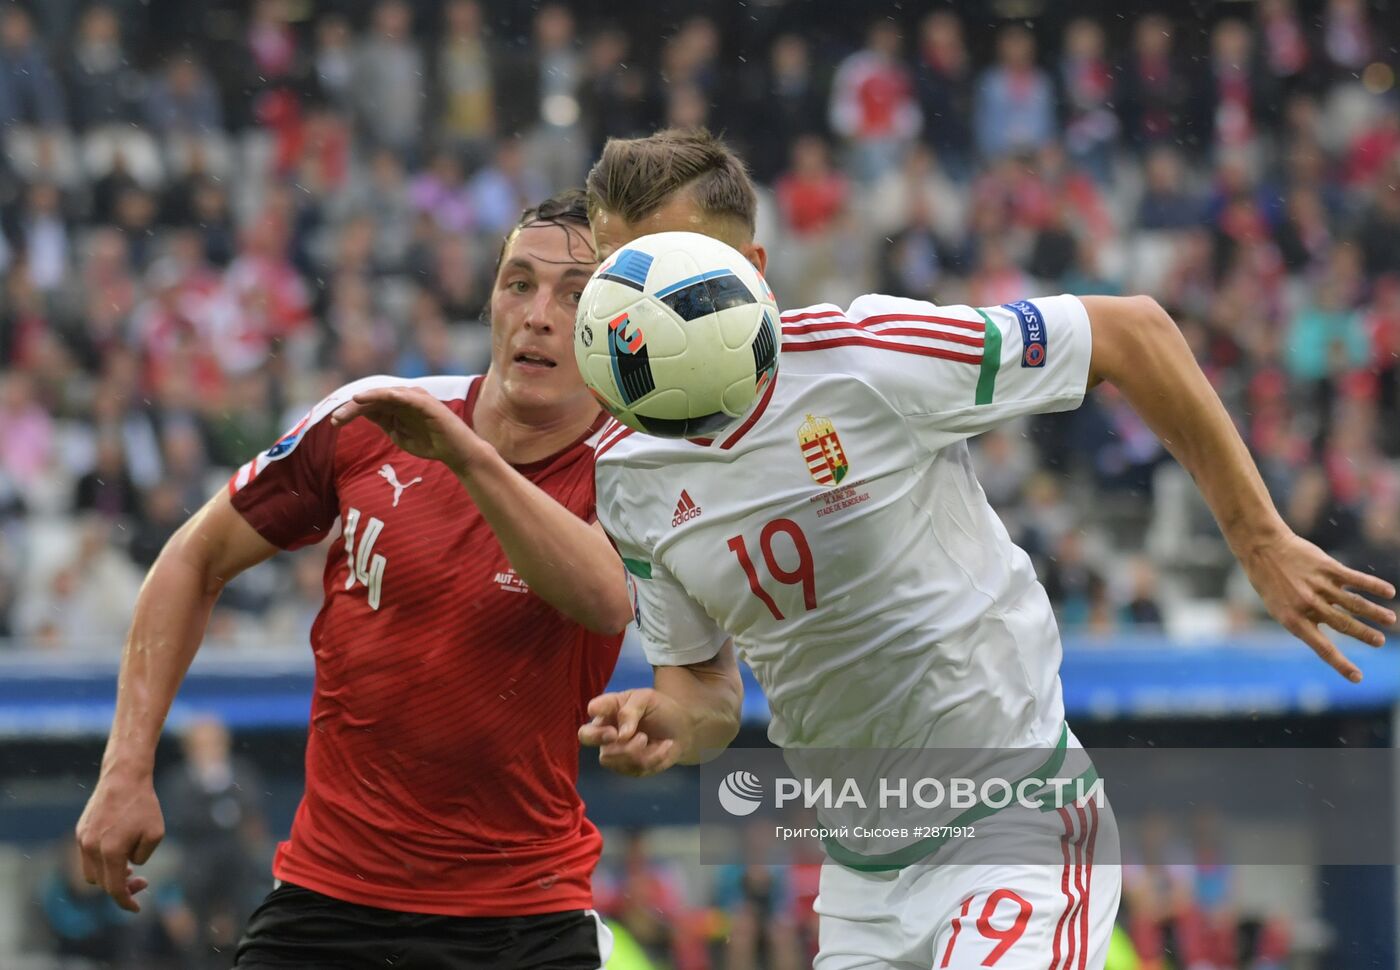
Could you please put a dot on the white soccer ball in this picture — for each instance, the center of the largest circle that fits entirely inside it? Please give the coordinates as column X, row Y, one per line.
column 677, row 335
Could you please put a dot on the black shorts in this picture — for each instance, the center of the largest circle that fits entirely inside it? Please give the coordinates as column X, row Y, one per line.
column 295, row 927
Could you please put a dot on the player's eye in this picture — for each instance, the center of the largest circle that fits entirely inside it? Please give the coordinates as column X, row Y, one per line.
column 576, row 297
column 518, row 286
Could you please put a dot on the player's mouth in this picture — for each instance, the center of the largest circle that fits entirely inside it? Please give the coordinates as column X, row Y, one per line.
column 533, row 360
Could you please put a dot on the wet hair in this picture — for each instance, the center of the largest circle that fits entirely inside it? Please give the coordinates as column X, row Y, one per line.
column 567, row 210
column 636, row 176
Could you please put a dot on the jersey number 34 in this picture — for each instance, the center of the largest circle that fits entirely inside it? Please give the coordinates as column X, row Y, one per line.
column 804, row 574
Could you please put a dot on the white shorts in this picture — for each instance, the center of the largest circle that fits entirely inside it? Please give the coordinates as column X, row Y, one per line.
column 953, row 916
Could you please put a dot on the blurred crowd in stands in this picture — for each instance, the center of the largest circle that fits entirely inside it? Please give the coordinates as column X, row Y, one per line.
column 208, row 223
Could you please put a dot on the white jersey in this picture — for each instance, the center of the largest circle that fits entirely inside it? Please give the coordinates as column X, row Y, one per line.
column 840, row 537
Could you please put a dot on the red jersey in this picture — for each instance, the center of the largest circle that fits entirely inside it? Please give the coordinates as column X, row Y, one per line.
column 442, row 758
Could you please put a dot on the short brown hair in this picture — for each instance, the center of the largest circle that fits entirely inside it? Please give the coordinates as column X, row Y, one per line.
column 636, row 176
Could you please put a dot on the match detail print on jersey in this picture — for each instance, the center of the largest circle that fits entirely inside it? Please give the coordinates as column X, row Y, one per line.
column 972, row 342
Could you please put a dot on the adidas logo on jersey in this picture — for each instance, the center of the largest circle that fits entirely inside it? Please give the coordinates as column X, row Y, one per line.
column 686, row 509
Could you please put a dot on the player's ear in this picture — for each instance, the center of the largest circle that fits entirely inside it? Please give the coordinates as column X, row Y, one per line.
column 757, row 255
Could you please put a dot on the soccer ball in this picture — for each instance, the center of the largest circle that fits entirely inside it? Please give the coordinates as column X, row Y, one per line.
column 677, row 335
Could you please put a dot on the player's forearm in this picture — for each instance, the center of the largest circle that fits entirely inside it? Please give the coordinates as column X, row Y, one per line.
column 1138, row 349
column 709, row 698
column 564, row 560
column 171, row 614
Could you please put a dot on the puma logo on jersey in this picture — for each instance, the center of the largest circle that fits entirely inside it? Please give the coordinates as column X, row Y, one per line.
column 387, row 473
column 686, row 509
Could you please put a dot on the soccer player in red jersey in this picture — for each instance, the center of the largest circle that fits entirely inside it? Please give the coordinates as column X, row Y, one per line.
column 468, row 619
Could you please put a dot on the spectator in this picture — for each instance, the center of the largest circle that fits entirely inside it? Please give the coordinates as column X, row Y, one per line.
column 556, row 145
column 1055, row 249
column 431, row 349
column 1153, row 92
column 183, row 101
column 1166, row 203
column 1229, row 112
column 811, row 194
column 943, row 80
column 1284, row 43
column 1142, row 609
column 45, row 232
column 873, row 108
column 105, row 88
column 441, row 191
column 86, row 602
column 1015, row 102
column 1304, row 237
column 212, row 803
column 466, row 88
column 387, row 89
column 920, row 182
column 271, row 42
column 1374, row 148
column 502, row 190
column 1326, row 332
column 82, row 920
column 755, row 897
column 1379, row 236
column 1347, row 36
column 264, row 298
column 783, row 103
column 617, row 98
column 1086, row 82
column 108, row 490
column 1072, row 583
column 334, row 60
column 690, row 58
column 27, row 444
column 30, row 94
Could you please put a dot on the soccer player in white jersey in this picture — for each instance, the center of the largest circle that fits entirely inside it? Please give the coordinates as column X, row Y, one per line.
column 838, row 537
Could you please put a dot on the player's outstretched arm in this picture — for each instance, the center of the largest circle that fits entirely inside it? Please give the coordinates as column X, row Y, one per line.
column 689, row 715
column 1138, row 349
column 122, row 823
column 569, row 563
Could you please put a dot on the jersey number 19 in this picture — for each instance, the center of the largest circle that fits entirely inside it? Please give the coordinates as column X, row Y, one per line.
column 804, row 574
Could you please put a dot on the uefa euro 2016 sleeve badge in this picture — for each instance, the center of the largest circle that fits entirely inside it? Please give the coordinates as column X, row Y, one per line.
column 821, row 449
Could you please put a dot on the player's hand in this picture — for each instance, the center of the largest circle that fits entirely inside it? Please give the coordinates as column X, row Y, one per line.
column 417, row 422
column 637, row 732
column 1304, row 588
column 121, row 825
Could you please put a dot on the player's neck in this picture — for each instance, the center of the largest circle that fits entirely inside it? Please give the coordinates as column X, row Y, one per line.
column 523, row 435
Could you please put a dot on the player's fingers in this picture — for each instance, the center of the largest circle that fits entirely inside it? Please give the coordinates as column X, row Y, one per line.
column 616, row 757
column 1307, row 631
column 1365, row 582
column 658, row 756
column 595, row 734
column 145, row 845
column 1349, row 626
column 114, row 875
column 135, row 884
column 1363, row 609
column 347, row 412
column 630, row 715
column 605, row 706
column 87, row 853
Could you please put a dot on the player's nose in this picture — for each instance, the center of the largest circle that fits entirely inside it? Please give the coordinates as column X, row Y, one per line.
column 537, row 316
